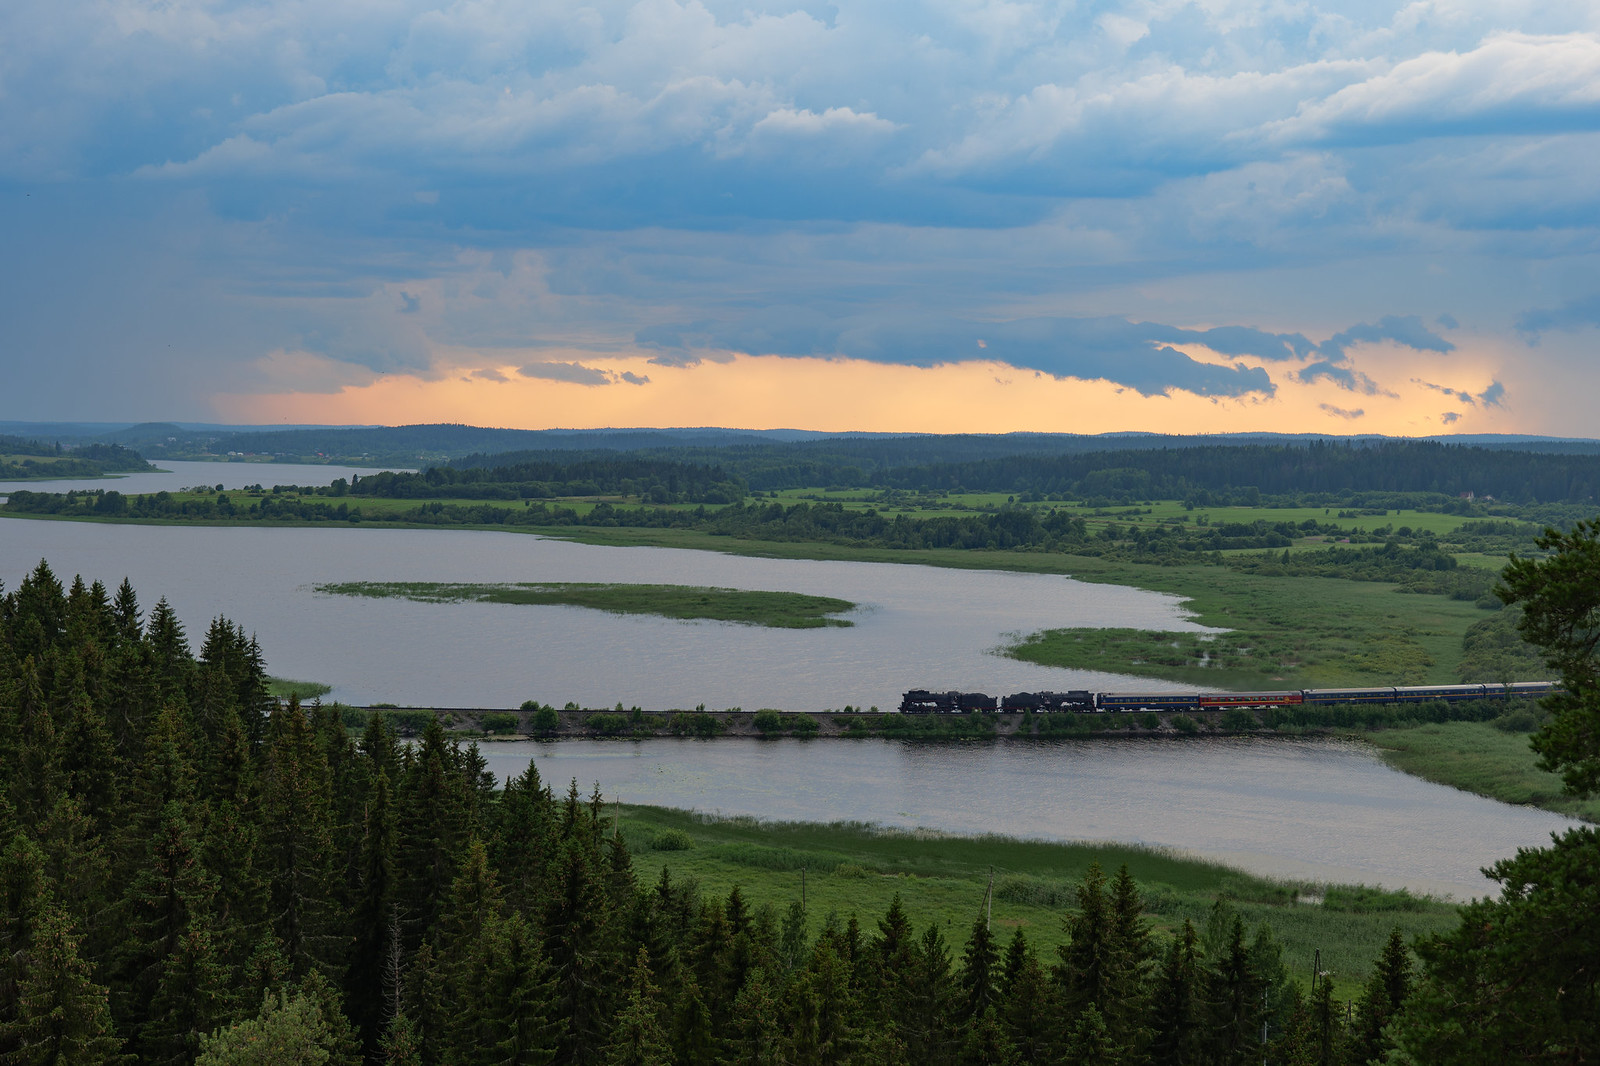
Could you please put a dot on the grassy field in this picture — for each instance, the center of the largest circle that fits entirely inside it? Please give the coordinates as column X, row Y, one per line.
column 782, row 610
column 1477, row 757
column 855, row 869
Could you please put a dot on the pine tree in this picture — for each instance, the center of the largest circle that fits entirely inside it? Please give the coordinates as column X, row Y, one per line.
column 190, row 999
column 297, row 841
column 62, row 1016
column 638, row 1037
column 755, row 1034
column 1381, row 1000
column 433, row 830
column 515, row 1008
column 575, row 942
column 979, row 972
column 372, row 919
column 1234, row 994
column 822, row 1009
column 927, row 1028
column 1179, row 1006
column 1024, row 1000
column 1089, row 1043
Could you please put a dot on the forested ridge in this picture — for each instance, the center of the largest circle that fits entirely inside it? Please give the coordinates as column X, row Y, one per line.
column 22, row 458
column 192, row 873
column 1136, row 469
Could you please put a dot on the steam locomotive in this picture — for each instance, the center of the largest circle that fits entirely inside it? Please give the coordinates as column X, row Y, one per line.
column 1081, row 701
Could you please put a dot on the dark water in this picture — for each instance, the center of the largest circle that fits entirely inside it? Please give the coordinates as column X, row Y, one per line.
column 1318, row 810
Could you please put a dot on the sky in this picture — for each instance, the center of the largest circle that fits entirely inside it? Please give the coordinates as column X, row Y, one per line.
column 964, row 215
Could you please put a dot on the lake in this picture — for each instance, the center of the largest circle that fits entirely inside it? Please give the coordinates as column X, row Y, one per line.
column 1303, row 809
column 1320, row 810
column 174, row 476
column 916, row 627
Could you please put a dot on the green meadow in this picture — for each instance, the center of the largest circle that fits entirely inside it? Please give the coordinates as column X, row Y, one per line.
column 853, row 869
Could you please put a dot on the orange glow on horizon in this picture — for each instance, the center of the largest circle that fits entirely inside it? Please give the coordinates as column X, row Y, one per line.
column 838, row 395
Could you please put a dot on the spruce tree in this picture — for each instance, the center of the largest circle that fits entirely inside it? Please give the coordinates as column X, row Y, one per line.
column 62, row 1015
column 517, row 1025
column 1178, row 1015
column 979, row 972
column 1385, row 993
column 638, row 1037
column 296, row 844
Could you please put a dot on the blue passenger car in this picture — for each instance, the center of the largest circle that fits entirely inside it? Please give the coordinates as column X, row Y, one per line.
column 1447, row 693
column 1149, row 701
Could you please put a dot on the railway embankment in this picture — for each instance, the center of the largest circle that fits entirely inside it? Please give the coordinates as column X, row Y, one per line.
column 622, row 724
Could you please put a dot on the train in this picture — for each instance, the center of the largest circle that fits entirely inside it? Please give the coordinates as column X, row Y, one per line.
column 1081, row 701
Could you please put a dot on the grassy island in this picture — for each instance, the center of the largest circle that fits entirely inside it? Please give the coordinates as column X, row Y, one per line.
column 780, row 610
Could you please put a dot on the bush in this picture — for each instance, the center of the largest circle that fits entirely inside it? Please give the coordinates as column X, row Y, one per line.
column 1150, row 720
column 1184, row 724
column 802, row 725
column 768, row 722
column 694, row 724
column 608, row 725
column 672, row 840
column 1239, row 720
column 504, row 722
column 545, row 721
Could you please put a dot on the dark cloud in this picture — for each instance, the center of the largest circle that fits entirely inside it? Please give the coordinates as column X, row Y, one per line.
column 1342, row 412
column 576, row 373
column 1492, row 396
column 1459, row 394
column 409, row 304
column 1575, row 314
column 1447, row 321
column 633, row 379
column 1406, row 330
column 490, row 375
column 1342, row 376
column 1450, row 417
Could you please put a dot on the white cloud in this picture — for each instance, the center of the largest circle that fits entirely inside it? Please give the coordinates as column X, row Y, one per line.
column 1534, row 80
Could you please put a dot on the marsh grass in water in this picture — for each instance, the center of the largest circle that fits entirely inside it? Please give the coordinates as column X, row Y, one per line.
column 783, row 610
column 1489, row 758
column 283, row 688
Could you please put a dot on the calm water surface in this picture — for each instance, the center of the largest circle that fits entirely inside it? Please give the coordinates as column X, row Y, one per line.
column 916, row 626
column 1318, row 810
column 175, row 476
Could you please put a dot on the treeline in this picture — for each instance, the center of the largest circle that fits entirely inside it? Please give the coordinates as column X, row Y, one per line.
column 1320, row 468
column 18, row 462
column 1419, row 564
column 1207, row 471
column 652, row 480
